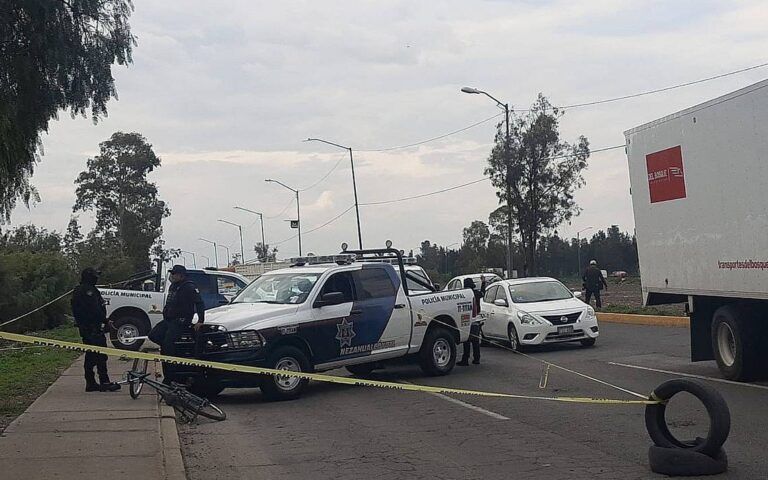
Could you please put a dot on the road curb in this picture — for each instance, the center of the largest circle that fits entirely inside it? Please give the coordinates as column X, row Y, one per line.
column 173, row 461
column 653, row 320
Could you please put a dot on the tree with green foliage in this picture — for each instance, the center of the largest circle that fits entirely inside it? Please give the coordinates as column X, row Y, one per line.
column 129, row 212
column 33, row 271
column 54, row 55
column 544, row 171
column 472, row 255
column 264, row 253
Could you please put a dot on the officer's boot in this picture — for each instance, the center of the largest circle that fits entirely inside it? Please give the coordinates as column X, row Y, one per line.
column 90, row 382
column 106, row 386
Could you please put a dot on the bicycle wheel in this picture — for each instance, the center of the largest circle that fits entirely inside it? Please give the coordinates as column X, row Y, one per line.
column 135, row 377
column 211, row 411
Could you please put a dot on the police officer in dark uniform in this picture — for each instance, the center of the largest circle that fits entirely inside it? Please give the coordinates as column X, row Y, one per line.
column 593, row 283
column 90, row 315
column 180, row 307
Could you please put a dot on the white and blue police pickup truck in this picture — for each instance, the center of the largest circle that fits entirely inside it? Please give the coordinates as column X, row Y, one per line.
column 137, row 306
column 334, row 311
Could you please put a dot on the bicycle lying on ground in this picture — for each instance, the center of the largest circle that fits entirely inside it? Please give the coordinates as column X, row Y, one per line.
column 186, row 404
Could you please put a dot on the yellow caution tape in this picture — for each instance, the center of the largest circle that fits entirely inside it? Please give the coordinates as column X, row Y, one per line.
column 309, row 376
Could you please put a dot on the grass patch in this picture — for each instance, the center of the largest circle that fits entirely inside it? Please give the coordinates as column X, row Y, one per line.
column 26, row 374
column 640, row 310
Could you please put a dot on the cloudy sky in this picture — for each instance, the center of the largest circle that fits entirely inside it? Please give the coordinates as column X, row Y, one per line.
column 225, row 92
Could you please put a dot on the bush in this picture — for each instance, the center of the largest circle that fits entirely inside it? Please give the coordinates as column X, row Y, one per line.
column 29, row 280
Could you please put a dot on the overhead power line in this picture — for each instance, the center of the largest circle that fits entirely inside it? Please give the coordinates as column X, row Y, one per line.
column 324, row 176
column 574, row 105
column 455, row 187
column 293, row 199
column 664, row 89
column 314, row 229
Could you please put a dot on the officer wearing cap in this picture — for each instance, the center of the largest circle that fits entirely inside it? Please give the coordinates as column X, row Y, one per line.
column 180, row 307
column 89, row 310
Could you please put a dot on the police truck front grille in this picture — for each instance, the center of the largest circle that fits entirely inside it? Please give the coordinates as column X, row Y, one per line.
column 563, row 319
column 215, row 342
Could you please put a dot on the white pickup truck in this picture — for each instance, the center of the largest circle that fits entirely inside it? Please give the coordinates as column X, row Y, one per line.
column 134, row 312
column 329, row 312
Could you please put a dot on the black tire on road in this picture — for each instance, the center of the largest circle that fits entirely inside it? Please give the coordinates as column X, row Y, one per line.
column 124, row 325
column 514, row 339
column 361, row 369
column 717, row 410
column 685, row 463
column 736, row 343
column 588, row 342
column 437, row 356
column 276, row 387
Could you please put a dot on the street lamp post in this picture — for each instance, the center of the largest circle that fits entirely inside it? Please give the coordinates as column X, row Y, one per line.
column 239, row 227
column 194, row 260
column 263, row 242
column 225, row 247
column 208, row 260
column 354, row 184
column 298, row 209
column 578, row 246
column 215, row 252
column 507, row 153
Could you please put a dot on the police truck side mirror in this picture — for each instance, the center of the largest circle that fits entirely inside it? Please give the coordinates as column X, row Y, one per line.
column 330, row 298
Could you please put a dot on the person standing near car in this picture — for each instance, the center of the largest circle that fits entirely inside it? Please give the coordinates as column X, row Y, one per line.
column 89, row 310
column 183, row 302
column 593, row 283
column 474, row 329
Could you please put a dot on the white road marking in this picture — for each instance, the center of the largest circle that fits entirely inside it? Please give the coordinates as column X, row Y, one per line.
column 468, row 405
column 700, row 377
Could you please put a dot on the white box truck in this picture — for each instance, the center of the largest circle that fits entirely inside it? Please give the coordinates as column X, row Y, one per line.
column 699, row 186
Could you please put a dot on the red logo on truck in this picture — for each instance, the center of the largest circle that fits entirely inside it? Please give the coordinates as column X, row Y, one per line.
column 666, row 180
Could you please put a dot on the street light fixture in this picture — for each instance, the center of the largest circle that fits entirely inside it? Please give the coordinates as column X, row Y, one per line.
column 207, row 260
column 354, row 184
column 239, row 227
column 298, row 209
column 578, row 245
column 215, row 252
column 194, row 260
column 263, row 242
column 507, row 152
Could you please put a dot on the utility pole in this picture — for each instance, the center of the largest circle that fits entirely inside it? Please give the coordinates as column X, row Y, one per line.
column 215, row 252
column 194, row 260
column 354, row 184
column 508, row 177
column 239, row 227
column 263, row 242
column 298, row 208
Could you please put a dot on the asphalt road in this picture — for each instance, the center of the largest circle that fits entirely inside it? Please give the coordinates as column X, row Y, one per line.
column 339, row 432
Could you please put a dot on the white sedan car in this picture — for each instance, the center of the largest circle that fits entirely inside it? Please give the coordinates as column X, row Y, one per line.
column 536, row 311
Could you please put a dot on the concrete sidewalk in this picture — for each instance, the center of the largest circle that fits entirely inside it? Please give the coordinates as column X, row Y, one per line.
column 68, row 433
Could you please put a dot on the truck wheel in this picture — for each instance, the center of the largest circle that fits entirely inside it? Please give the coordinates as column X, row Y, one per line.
column 276, row 387
column 361, row 370
column 127, row 328
column 735, row 342
column 438, row 353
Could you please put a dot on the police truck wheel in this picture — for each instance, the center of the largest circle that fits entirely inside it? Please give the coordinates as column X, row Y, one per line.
column 735, row 343
column 125, row 330
column 277, row 387
column 438, row 352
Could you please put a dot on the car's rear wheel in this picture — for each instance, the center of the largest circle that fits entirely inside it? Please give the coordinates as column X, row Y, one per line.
column 124, row 332
column 438, row 352
column 280, row 387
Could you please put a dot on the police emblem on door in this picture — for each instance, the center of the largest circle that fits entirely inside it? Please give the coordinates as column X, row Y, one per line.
column 345, row 333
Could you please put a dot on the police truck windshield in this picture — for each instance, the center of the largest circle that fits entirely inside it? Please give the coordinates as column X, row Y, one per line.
column 279, row 288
